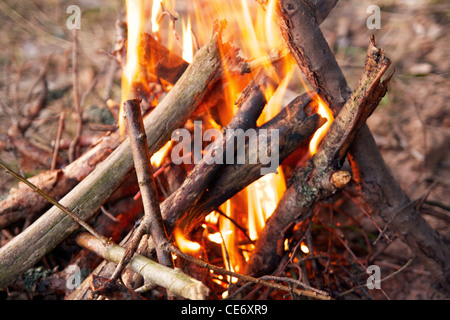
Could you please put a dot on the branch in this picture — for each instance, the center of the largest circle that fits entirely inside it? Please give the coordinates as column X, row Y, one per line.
column 203, row 264
column 74, row 147
column 315, row 181
column 152, row 221
column 174, row 280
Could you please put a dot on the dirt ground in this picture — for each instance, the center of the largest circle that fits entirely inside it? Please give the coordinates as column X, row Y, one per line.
column 411, row 126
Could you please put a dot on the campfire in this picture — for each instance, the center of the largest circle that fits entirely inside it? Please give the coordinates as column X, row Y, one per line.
column 236, row 140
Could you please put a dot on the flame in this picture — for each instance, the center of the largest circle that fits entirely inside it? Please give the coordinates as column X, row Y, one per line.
column 269, row 22
column 184, row 244
column 263, row 196
column 325, row 112
column 159, row 156
column 156, row 9
column 232, row 259
column 130, row 72
column 254, row 31
column 304, row 248
column 188, row 50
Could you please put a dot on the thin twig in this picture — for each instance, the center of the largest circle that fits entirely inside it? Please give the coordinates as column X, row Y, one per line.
column 297, row 282
column 223, row 271
column 57, row 141
column 384, row 279
column 76, row 94
column 55, row 203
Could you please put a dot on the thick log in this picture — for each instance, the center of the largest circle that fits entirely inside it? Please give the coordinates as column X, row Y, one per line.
column 86, row 198
column 314, row 181
column 378, row 187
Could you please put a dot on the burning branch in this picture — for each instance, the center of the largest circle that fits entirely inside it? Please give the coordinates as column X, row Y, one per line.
column 296, row 123
column 314, row 182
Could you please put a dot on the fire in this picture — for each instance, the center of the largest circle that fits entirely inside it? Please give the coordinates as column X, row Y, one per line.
column 188, row 50
column 325, row 112
column 156, row 9
column 255, row 33
column 304, row 248
column 130, row 72
column 159, row 156
column 184, row 244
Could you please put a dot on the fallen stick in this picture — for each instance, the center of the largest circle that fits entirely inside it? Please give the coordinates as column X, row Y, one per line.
column 314, row 182
column 174, row 280
column 86, row 198
column 378, row 187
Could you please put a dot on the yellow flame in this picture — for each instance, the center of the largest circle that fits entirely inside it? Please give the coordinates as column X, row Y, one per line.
column 130, row 72
column 304, row 248
column 269, row 22
column 188, row 50
column 156, row 9
column 263, row 197
column 184, row 244
column 232, row 259
column 159, row 156
column 325, row 112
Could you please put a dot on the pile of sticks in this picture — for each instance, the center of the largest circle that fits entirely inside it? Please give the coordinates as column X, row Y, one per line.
column 83, row 186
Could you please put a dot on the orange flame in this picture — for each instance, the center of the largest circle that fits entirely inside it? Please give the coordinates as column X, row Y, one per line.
column 254, row 31
column 304, row 248
column 184, row 244
column 325, row 112
column 158, row 157
column 130, row 72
